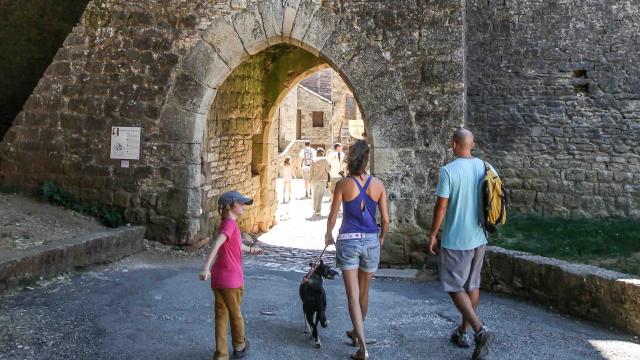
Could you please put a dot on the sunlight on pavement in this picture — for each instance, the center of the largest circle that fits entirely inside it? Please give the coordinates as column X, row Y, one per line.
column 296, row 226
column 616, row 349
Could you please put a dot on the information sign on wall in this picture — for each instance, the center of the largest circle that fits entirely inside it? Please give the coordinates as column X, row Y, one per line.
column 125, row 143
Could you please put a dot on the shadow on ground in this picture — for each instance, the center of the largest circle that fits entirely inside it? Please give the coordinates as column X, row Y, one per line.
column 152, row 306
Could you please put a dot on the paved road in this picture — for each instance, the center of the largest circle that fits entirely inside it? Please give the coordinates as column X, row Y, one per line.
column 151, row 306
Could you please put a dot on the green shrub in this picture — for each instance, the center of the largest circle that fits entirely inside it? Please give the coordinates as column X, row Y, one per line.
column 108, row 216
column 610, row 243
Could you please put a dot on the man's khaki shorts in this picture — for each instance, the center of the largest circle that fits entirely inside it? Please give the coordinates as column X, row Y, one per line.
column 306, row 173
column 460, row 269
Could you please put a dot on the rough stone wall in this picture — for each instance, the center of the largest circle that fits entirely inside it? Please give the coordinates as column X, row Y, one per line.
column 114, row 69
column 554, row 98
column 234, row 119
column 158, row 65
column 585, row 291
column 286, row 119
column 421, row 40
column 31, row 31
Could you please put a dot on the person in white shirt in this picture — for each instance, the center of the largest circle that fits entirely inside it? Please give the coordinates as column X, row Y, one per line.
column 337, row 161
column 307, row 155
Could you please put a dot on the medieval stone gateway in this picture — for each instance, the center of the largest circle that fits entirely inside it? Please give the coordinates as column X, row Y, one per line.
column 201, row 78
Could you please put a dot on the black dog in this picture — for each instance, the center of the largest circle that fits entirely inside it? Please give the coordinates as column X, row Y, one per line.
column 314, row 299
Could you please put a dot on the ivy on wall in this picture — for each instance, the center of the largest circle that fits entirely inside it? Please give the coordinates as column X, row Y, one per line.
column 31, row 31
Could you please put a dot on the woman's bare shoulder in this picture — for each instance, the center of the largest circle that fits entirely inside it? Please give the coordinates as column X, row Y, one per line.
column 376, row 182
column 342, row 182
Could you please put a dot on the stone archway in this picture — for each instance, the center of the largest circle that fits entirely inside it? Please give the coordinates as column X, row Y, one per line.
column 157, row 65
column 230, row 41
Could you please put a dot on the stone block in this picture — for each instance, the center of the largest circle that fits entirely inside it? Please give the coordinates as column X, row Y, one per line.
column 182, row 126
column 224, row 39
column 585, row 291
column 248, row 24
column 173, row 202
column 136, row 215
column 272, row 13
column 289, row 16
column 205, row 65
column 397, row 273
column 187, row 176
column 319, row 31
column 189, row 94
column 49, row 260
column 393, row 129
column 194, row 202
column 121, row 199
column 187, row 153
column 304, row 16
column 387, row 160
column 161, row 228
column 393, row 251
column 238, row 4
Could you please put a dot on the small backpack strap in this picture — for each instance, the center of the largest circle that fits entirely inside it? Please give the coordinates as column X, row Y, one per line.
column 486, row 166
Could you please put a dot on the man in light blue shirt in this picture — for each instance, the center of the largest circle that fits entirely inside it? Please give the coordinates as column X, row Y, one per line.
column 461, row 253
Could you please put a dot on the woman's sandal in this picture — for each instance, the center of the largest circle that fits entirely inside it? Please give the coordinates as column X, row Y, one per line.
column 354, row 339
column 360, row 356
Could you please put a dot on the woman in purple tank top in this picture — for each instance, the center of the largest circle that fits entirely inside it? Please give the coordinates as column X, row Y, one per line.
column 360, row 238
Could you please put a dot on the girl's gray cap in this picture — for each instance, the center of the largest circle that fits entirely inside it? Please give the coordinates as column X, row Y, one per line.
column 231, row 197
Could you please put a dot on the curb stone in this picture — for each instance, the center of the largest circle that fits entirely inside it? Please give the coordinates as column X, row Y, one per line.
column 50, row 260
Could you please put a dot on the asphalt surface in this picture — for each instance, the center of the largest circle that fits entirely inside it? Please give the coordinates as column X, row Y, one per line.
column 152, row 306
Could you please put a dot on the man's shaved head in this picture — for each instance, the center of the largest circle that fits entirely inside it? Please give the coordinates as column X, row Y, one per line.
column 463, row 137
column 463, row 142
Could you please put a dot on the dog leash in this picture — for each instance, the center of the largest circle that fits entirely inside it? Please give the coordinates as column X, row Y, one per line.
column 315, row 265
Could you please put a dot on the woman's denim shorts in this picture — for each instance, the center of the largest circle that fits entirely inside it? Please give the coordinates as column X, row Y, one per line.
column 362, row 253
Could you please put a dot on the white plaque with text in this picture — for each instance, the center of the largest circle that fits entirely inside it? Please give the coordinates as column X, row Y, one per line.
column 125, row 143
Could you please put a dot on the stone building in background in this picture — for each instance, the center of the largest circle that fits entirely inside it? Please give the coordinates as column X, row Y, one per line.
column 322, row 110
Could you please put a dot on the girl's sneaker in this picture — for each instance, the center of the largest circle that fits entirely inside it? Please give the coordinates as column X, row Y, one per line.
column 239, row 354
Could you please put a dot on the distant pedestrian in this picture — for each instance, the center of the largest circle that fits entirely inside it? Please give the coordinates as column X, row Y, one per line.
column 224, row 267
column 338, row 163
column 360, row 239
column 463, row 246
column 287, row 178
column 319, row 177
column 307, row 155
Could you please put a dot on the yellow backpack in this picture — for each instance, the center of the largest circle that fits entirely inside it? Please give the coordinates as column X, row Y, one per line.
column 494, row 201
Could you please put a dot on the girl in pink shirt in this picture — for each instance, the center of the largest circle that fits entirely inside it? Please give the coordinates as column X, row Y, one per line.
column 224, row 268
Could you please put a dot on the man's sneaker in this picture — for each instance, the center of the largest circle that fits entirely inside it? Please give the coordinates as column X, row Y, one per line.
column 484, row 338
column 460, row 338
